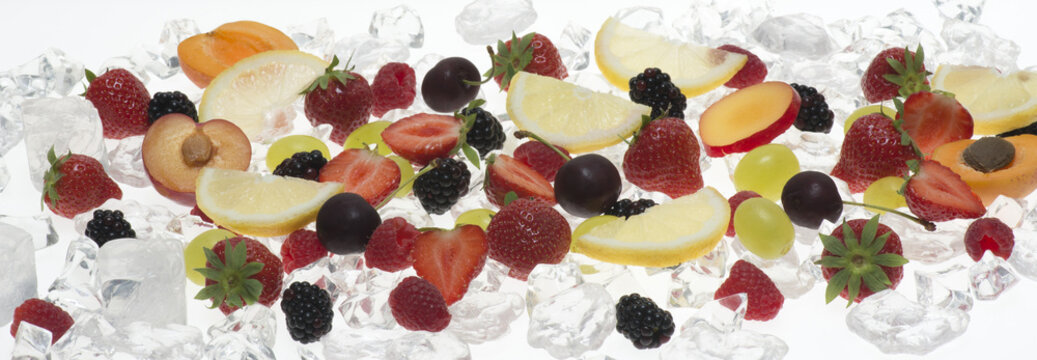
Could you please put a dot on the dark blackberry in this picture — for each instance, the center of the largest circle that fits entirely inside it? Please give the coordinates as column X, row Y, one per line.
column 108, row 225
column 626, row 208
column 169, row 102
column 441, row 187
column 814, row 114
column 654, row 88
column 304, row 165
column 641, row 321
column 1028, row 129
column 486, row 134
column 307, row 311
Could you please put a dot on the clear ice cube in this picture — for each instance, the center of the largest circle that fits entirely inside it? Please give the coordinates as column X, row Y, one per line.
column 483, row 316
column 173, row 32
column 357, row 344
column 718, row 22
column 572, row 322
column 991, row 276
column 1010, row 211
column 256, row 323
column 694, row 282
column 1024, row 253
column 401, row 23
column 369, row 53
column 725, row 314
column 490, row 278
column 897, row 325
column 928, row 247
column 142, row 280
column 10, row 116
column 64, row 124
column 316, row 273
column 975, row 44
column 50, row 74
column 701, row 340
column 136, row 63
column 787, row 272
column 572, row 47
column 483, row 22
column 125, row 163
column 93, row 337
column 801, row 35
column 366, row 303
column 31, row 342
column 948, row 287
column 648, row 18
column 427, row 346
column 40, row 226
column 18, row 266
column 548, row 280
column 236, row 346
column 5, row 175
column 315, row 37
column 964, row 10
column 76, row 288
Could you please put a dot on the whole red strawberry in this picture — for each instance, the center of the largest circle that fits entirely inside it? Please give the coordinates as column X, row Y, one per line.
column 937, row 193
column 243, row 274
column 75, row 184
column 340, row 98
column 44, row 315
column 873, row 260
column 300, row 249
column 533, row 53
column 989, row 234
column 752, row 73
column 541, row 158
column 504, row 174
column 882, row 82
column 121, row 101
column 417, row 305
column 872, row 150
column 763, row 298
column 389, row 248
column 526, row 233
column 393, row 88
column 664, row 157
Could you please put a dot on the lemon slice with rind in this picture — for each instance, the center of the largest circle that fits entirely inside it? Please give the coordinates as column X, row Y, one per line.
column 575, row 118
column 665, row 235
column 998, row 102
column 622, row 52
column 256, row 89
column 260, row 205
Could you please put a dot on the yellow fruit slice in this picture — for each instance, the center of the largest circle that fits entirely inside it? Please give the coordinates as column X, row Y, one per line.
column 998, row 102
column 260, row 205
column 665, row 235
column 570, row 116
column 256, row 88
column 622, row 52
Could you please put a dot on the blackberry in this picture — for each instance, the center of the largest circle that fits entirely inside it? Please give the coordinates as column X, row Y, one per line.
column 814, row 114
column 626, row 208
column 441, row 187
column 169, row 102
column 486, row 134
column 108, row 225
column 304, row 165
column 307, row 311
column 641, row 321
column 654, row 88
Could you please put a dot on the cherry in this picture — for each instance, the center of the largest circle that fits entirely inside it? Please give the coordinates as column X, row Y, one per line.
column 345, row 223
column 586, row 185
column 451, row 84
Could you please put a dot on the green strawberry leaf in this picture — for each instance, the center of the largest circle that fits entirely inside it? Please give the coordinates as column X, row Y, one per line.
column 836, row 284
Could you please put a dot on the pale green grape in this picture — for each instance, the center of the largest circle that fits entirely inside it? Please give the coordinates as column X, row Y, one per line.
column 870, row 109
column 194, row 256
column 883, row 192
column 764, row 228
column 480, row 217
column 765, row 170
column 367, row 134
column 287, row 146
column 406, row 172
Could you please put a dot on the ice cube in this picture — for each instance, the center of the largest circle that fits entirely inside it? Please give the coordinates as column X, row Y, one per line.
column 126, row 165
column 5, row 175
column 700, row 340
column 400, row 23
column 315, row 37
column 236, row 346
column 64, row 124
column 990, row 277
column 975, row 44
column 725, row 314
column 1024, row 253
column 646, row 18
column 948, row 287
column 39, row 226
column 256, row 323
column 897, row 325
column 136, row 63
column 50, row 74
column 142, row 280
column 31, row 342
column 572, row 47
column 93, row 337
column 928, row 247
column 76, row 289
column 483, row 22
column 10, row 116
column 18, row 264
column 548, row 280
column 490, row 278
column 572, row 322
column 356, row 344
column 693, row 282
column 316, row 273
column 787, row 272
column 718, row 22
column 366, row 301
column 427, row 346
column 369, row 53
column 1010, row 211
column 173, row 32
column 483, row 316
column 964, row 10
column 800, row 35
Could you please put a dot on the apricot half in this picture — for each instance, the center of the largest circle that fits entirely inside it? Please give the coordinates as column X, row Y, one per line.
column 204, row 56
column 176, row 149
column 748, row 118
column 1017, row 180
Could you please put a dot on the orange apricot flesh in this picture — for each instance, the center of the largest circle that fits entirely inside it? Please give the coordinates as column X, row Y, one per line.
column 204, row 56
column 1017, row 180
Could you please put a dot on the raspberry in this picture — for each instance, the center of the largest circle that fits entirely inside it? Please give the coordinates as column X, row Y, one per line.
column 164, row 103
column 44, row 315
column 307, row 311
column 108, row 225
column 644, row 323
column 626, row 208
column 390, row 245
column 764, row 299
column 752, row 73
column 814, row 114
column 486, row 134
column 541, row 158
column 440, row 188
column 417, row 305
column 303, row 165
column 300, row 249
column 989, row 234
column 393, row 88
column 734, row 201
column 654, row 88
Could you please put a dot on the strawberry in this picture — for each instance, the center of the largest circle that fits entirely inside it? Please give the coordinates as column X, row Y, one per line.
column 42, row 314
column 244, row 274
column 733, row 202
column 340, row 98
column 393, row 88
column 752, row 73
column 936, row 193
column 528, row 232
column 933, row 119
column 883, row 80
column 121, row 101
column 764, row 301
column 664, row 157
column 534, row 53
column 989, row 234
column 390, row 246
column 541, row 158
column 417, row 305
column 450, row 259
column 75, row 184
column 423, row 137
column 504, row 174
column 860, row 258
column 363, row 172
column 301, row 248
column 872, row 150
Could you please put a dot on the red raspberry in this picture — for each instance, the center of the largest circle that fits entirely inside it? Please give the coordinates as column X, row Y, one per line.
column 417, row 305
column 764, row 299
column 734, row 201
column 541, row 158
column 393, row 88
column 989, row 234
column 44, row 315
column 300, row 249
column 390, row 245
column 526, row 233
column 752, row 73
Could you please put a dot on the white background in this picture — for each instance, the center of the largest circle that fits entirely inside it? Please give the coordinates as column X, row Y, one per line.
column 94, row 31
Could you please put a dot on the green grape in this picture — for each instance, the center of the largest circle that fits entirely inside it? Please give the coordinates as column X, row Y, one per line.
column 765, row 170
column 406, row 172
column 870, row 109
column 367, row 134
column 764, row 228
column 287, row 146
column 194, row 256
column 883, row 192
column 480, row 217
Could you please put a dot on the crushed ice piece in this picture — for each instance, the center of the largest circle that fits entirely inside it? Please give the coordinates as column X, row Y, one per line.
column 366, row 303
column 31, row 342
column 715, row 332
column 369, row 53
column 572, row 322
column 490, row 278
column 483, row 316
column 256, row 323
column 725, row 314
column 5, row 175
column 800, row 35
column 400, row 23
column 426, row 345
column 18, row 266
column 126, row 164
column 897, row 325
column 93, row 337
column 50, row 74
column 1024, row 253
column 975, row 44
column 173, row 32
column 483, row 22
column 815, row 151
column 317, row 273
column 693, row 282
column 64, row 124
column 787, row 272
column 964, row 10
column 408, row 208
column 648, row 18
column 1010, row 211
column 990, row 277
column 718, row 22
column 354, row 344
column 40, row 226
column 76, row 289
column 142, row 280
column 928, row 247
column 547, row 280
column 10, row 117
column 136, row 63
column 948, row 287
column 236, row 346
column 315, row 37
column 572, row 47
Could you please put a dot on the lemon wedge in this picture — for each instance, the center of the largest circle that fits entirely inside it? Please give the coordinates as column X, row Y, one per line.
column 998, row 102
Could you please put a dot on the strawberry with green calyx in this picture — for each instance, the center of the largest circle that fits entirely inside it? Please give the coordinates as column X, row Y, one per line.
column 893, row 72
column 533, row 53
column 341, row 98
column 121, row 101
column 664, row 157
column 860, row 258
column 75, row 184
column 239, row 272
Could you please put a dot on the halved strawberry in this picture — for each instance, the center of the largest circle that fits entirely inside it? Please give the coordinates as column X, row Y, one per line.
column 450, row 259
column 505, row 174
column 936, row 193
column 933, row 119
column 364, row 173
column 423, row 137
